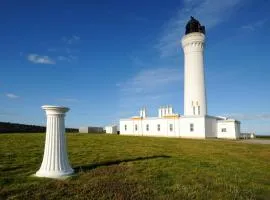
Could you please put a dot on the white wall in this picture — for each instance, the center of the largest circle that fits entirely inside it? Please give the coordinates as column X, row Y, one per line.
column 232, row 129
column 111, row 129
column 237, row 129
column 153, row 127
column 176, row 128
column 83, row 130
column 210, row 127
column 204, row 127
column 199, row 127
column 129, row 124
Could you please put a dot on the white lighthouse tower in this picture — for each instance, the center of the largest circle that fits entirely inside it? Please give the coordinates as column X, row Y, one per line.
column 194, row 88
column 195, row 123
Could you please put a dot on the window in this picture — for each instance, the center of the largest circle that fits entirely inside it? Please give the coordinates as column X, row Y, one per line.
column 158, row 127
column 125, row 127
column 171, row 127
column 193, row 110
column 223, row 130
column 136, row 127
column 147, row 127
column 199, row 110
column 191, row 127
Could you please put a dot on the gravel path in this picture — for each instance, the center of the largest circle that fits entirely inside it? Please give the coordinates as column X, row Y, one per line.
column 256, row 141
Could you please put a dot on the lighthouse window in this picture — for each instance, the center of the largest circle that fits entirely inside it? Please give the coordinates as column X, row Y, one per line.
column 193, row 110
column 223, row 130
column 171, row 127
column 158, row 127
column 136, row 127
column 199, row 110
column 125, row 127
column 191, row 127
column 147, row 127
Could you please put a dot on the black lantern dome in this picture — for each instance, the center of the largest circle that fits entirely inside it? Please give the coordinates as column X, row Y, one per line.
column 194, row 25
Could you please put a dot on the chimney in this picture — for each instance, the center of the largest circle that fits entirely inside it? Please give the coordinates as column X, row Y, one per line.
column 159, row 112
column 170, row 110
column 164, row 111
column 144, row 113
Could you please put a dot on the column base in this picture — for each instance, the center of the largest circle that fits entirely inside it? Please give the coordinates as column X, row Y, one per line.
column 54, row 174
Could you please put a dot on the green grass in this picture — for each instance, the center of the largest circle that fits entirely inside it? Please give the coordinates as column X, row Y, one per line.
column 122, row 167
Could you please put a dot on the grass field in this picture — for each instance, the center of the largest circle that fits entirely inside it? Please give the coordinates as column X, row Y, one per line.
column 122, row 167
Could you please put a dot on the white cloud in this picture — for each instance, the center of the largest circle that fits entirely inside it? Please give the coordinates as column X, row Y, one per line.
column 71, row 40
column 150, row 80
column 66, row 50
column 244, row 116
column 209, row 12
column 63, row 58
column 12, row 96
column 37, row 59
column 148, row 88
column 66, row 58
column 255, row 25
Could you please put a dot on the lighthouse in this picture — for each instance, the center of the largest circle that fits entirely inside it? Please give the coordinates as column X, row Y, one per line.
column 194, row 87
column 196, row 122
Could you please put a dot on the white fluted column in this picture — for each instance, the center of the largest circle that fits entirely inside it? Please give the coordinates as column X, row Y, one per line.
column 55, row 162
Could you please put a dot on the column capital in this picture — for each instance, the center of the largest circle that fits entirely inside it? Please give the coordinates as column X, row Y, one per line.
column 54, row 110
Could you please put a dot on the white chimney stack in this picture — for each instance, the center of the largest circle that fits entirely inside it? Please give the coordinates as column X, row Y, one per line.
column 159, row 112
column 141, row 113
column 145, row 113
column 164, row 111
column 171, row 110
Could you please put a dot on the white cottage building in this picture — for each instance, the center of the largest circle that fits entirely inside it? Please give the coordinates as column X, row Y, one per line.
column 195, row 123
column 111, row 129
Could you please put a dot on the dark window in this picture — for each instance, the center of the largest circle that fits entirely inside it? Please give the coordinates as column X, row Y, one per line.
column 125, row 127
column 191, row 127
column 158, row 127
column 171, row 127
column 223, row 130
column 136, row 127
column 147, row 127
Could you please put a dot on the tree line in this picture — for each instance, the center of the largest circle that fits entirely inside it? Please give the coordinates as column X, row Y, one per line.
column 7, row 127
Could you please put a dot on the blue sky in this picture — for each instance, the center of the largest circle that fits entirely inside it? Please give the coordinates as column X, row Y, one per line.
column 106, row 59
